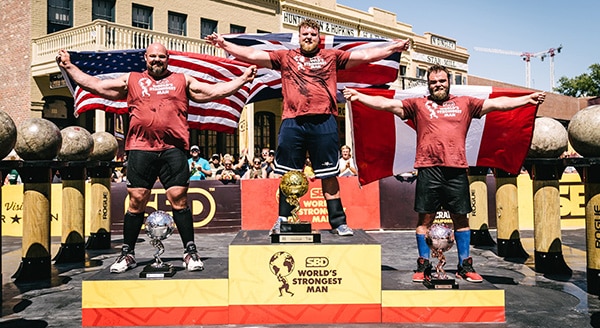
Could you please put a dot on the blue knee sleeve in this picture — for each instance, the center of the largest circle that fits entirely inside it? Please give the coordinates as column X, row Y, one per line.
column 422, row 246
column 463, row 244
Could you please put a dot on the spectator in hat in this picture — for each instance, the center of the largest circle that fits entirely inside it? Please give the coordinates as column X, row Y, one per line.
column 199, row 167
column 215, row 165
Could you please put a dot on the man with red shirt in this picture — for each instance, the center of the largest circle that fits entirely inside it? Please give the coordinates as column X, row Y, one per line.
column 441, row 122
column 157, row 141
column 309, row 86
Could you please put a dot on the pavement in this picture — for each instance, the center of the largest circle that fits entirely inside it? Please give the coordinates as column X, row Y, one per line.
column 531, row 299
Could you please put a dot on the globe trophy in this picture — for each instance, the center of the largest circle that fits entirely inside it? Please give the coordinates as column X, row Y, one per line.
column 159, row 226
column 440, row 239
column 294, row 185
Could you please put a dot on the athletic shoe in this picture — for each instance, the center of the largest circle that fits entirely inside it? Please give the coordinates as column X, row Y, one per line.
column 466, row 271
column 124, row 262
column 343, row 230
column 423, row 268
column 277, row 226
column 191, row 259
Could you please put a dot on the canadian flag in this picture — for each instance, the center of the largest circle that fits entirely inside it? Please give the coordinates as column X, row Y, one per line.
column 385, row 145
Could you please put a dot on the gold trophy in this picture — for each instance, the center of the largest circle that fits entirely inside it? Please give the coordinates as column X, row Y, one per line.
column 294, row 185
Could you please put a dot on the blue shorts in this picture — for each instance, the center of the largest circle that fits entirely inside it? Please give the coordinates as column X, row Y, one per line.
column 316, row 135
column 445, row 187
column 170, row 166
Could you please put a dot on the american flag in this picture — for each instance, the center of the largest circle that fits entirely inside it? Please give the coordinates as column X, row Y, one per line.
column 223, row 115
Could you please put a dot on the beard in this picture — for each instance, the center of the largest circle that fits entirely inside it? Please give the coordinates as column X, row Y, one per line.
column 156, row 69
column 309, row 48
column 441, row 94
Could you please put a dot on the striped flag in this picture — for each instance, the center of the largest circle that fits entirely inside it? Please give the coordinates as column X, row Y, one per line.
column 385, row 145
column 223, row 115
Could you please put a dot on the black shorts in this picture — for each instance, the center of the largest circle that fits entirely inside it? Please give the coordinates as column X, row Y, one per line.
column 442, row 187
column 170, row 166
column 315, row 134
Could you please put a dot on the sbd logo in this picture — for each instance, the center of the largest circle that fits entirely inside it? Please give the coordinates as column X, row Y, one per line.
column 317, row 262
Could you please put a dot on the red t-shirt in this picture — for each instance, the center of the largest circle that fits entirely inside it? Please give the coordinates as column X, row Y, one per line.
column 309, row 84
column 442, row 129
column 157, row 112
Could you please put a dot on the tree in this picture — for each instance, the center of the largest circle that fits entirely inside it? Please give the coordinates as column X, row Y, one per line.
column 584, row 85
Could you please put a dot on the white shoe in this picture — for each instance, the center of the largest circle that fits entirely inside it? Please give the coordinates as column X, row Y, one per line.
column 343, row 230
column 191, row 259
column 124, row 262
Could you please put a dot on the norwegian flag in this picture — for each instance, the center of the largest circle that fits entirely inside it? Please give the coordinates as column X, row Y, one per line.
column 385, row 145
column 223, row 115
column 377, row 74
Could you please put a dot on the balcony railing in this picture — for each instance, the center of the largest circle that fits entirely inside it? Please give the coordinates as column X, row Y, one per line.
column 101, row 35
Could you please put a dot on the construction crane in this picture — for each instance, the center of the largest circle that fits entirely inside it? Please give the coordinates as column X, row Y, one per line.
column 526, row 56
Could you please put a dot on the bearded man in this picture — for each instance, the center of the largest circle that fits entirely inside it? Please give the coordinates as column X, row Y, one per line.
column 309, row 86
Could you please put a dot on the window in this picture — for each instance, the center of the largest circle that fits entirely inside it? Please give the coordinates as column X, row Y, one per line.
column 59, row 15
column 141, row 16
column 421, row 73
column 177, row 23
column 237, row 29
column 207, row 27
column 262, row 31
column 103, row 9
column 457, row 79
column 402, row 70
column 264, row 131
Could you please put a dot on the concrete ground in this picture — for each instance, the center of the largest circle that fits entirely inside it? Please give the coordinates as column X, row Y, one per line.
column 532, row 299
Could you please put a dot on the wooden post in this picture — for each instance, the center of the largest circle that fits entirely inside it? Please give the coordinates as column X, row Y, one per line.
column 100, row 173
column 507, row 216
column 478, row 218
column 72, row 247
column 545, row 174
column 591, row 179
column 35, row 263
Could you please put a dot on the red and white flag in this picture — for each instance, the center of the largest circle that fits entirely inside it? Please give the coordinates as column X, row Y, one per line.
column 385, row 145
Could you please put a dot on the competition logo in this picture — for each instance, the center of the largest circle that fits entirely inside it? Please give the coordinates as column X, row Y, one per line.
column 282, row 265
column 145, row 83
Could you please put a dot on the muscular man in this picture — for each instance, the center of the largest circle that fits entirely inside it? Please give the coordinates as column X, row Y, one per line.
column 442, row 121
column 157, row 141
column 309, row 86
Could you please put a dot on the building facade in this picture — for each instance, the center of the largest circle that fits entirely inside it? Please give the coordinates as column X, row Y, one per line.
column 99, row 25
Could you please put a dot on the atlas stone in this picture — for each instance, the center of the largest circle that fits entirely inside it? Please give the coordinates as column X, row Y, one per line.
column 8, row 134
column 105, row 146
column 38, row 139
column 584, row 131
column 550, row 139
column 77, row 144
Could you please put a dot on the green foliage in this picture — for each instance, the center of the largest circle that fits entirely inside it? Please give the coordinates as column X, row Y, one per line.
column 584, row 85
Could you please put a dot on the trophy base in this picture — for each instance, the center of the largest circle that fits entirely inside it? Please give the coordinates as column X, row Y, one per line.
column 440, row 283
column 296, row 237
column 300, row 227
column 151, row 271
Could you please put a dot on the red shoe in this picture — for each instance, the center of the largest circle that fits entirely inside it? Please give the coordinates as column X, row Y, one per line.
column 466, row 271
column 423, row 268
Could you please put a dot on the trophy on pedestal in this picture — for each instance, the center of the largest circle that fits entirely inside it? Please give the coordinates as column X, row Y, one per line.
column 440, row 239
column 294, row 185
column 159, row 226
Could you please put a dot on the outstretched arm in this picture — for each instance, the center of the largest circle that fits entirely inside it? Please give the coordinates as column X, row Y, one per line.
column 243, row 53
column 376, row 102
column 112, row 89
column 373, row 54
column 508, row 103
column 205, row 92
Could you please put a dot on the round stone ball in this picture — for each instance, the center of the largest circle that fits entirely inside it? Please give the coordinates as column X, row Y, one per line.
column 38, row 139
column 8, row 134
column 550, row 139
column 77, row 144
column 584, row 131
column 105, row 146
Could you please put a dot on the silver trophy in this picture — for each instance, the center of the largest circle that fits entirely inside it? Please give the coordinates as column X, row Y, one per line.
column 440, row 239
column 159, row 226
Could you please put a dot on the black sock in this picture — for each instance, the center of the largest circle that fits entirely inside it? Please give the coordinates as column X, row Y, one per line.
column 337, row 217
column 185, row 225
column 132, row 223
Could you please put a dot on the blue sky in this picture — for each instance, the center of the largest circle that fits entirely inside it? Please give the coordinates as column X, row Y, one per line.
column 521, row 26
